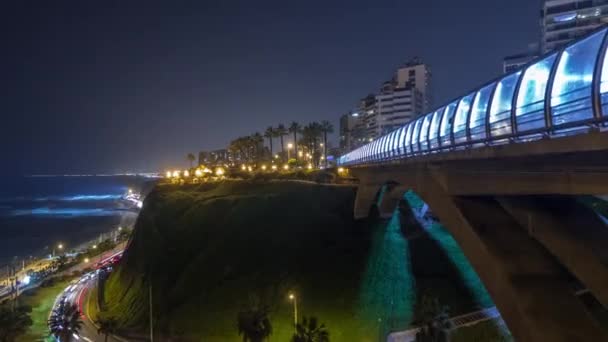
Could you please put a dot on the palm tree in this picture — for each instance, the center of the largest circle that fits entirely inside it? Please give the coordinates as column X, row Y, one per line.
column 258, row 141
column 190, row 158
column 270, row 134
column 326, row 127
column 14, row 323
column 295, row 128
column 281, row 131
column 310, row 331
column 311, row 133
column 254, row 324
column 107, row 326
column 65, row 321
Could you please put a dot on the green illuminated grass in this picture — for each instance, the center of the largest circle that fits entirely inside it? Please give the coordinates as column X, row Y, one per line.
column 41, row 300
column 211, row 247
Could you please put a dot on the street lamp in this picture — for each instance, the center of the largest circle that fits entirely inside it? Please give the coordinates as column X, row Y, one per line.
column 289, row 147
column 292, row 297
column 59, row 246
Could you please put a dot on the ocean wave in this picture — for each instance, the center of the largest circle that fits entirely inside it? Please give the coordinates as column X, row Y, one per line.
column 73, row 198
column 62, row 212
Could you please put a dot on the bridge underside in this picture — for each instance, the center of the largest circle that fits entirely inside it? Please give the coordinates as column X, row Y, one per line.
column 520, row 226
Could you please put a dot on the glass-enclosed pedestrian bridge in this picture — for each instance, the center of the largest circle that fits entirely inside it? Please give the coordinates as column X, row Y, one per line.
column 564, row 92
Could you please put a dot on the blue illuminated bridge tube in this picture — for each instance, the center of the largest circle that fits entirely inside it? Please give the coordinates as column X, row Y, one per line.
column 564, row 92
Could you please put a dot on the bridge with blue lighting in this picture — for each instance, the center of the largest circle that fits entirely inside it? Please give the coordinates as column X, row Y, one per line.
column 562, row 93
column 509, row 169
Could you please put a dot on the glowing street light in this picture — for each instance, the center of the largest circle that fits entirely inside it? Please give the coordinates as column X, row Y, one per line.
column 175, row 174
column 321, row 144
column 94, row 246
column 285, row 167
column 186, row 173
column 276, row 156
column 309, row 166
column 86, row 260
column 168, row 174
column 264, row 167
column 292, row 297
column 300, row 153
column 341, row 170
column 243, row 167
column 289, row 147
column 274, row 167
column 249, row 168
column 219, row 172
column 198, row 172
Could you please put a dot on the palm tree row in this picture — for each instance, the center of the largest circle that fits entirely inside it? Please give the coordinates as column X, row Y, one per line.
column 250, row 148
column 254, row 325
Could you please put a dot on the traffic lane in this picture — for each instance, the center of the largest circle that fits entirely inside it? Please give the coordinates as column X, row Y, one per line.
column 90, row 330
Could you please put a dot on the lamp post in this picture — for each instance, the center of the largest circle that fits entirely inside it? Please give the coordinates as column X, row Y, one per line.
column 293, row 298
column 289, row 147
column 59, row 246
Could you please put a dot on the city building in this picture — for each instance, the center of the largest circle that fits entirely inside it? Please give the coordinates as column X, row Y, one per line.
column 214, row 157
column 401, row 99
column 565, row 20
column 514, row 62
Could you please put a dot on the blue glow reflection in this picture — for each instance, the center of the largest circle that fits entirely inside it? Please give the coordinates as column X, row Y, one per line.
column 62, row 212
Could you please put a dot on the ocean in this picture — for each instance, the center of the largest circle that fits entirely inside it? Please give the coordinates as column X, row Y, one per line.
column 37, row 213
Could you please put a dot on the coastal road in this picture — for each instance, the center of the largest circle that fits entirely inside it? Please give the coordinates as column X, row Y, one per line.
column 77, row 293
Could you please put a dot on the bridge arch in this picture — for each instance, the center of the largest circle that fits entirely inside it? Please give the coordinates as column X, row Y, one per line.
column 522, row 275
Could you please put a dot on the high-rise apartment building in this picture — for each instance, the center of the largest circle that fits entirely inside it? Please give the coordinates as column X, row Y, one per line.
column 403, row 98
column 565, row 20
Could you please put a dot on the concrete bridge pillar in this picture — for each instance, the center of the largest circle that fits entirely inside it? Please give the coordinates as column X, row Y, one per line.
column 527, row 283
column 572, row 232
column 365, row 199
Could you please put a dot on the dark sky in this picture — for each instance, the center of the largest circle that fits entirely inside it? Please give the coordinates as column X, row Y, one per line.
column 110, row 86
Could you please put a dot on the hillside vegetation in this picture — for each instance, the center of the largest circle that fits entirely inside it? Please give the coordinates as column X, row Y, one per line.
column 210, row 249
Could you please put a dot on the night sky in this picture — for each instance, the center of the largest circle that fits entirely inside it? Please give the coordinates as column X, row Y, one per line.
column 106, row 86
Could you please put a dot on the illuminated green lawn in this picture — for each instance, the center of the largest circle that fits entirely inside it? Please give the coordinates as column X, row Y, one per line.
column 41, row 300
column 388, row 291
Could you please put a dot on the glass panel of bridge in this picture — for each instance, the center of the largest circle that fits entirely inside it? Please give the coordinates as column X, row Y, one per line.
column 424, row 132
column 502, row 103
column 408, row 138
column 401, row 140
column 385, row 141
column 604, row 85
column 530, row 109
column 477, row 121
column 446, row 124
column 434, row 130
column 391, row 141
column 461, row 117
column 395, row 145
column 416, row 135
column 571, row 92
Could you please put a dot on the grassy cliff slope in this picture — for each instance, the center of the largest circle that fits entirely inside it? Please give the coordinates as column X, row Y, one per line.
column 208, row 249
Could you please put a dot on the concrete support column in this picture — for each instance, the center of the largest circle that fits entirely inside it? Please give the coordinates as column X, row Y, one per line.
column 527, row 284
column 365, row 198
column 572, row 232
